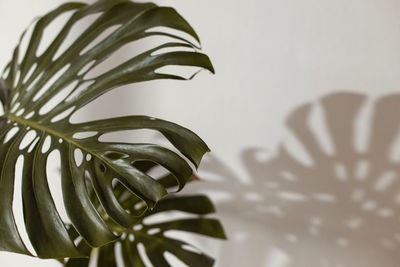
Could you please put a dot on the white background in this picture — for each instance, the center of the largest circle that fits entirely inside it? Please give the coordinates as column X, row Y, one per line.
column 270, row 57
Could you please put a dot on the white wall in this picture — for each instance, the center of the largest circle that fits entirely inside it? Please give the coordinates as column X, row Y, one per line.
column 271, row 57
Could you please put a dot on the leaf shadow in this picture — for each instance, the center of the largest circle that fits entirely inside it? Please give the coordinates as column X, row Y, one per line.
column 329, row 196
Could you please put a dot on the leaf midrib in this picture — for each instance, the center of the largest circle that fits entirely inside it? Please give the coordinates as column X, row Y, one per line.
column 37, row 126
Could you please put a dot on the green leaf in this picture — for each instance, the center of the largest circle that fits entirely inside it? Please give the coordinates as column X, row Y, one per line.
column 28, row 86
column 5, row 94
column 151, row 236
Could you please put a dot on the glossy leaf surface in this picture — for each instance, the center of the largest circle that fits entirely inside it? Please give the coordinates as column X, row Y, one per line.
column 29, row 132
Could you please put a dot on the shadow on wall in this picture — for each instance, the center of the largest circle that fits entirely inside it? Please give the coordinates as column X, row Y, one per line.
column 328, row 197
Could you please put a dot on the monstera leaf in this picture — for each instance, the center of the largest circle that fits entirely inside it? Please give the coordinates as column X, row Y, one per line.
column 32, row 81
column 147, row 241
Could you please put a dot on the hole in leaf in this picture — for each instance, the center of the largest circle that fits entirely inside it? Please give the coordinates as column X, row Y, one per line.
column 153, row 231
column 10, row 134
column 27, row 140
column 29, row 115
column 17, row 204
column 16, row 79
column 137, row 227
column 29, row 73
column 82, row 135
column 15, row 107
column 118, row 252
column 46, row 144
column 131, row 237
column 63, row 114
column 77, row 240
column 53, row 166
column 78, row 156
column 142, row 253
column 94, row 259
column 88, row 157
column 114, row 182
column 157, row 171
column 20, row 112
column 139, row 206
column 191, row 249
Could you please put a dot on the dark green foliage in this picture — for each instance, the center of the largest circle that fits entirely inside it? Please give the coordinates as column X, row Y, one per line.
column 192, row 217
column 26, row 86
